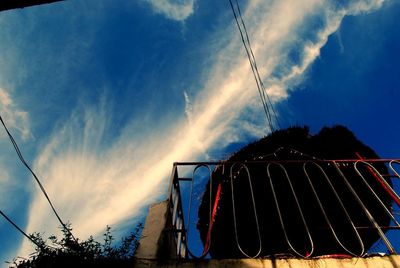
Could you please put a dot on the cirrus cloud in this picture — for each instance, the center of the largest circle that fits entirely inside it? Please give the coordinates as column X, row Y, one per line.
column 15, row 118
column 96, row 185
column 178, row 10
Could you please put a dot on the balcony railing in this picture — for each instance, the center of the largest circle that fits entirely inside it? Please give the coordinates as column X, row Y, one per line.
column 378, row 179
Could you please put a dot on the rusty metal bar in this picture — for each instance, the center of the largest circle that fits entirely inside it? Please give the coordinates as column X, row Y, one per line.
column 212, row 163
column 180, row 227
column 327, row 219
column 382, row 235
column 396, row 174
column 384, row 184
column 206, row 247
column 310, row 240
column 247, row 254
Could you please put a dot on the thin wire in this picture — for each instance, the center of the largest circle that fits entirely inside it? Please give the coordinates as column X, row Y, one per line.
column 265, row 107
column 266, row 101
column 265, row 95
column 36, row 178
column 25, row 234
column 19, row 229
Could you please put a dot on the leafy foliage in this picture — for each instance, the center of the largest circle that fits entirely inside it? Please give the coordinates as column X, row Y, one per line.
column 68, row 252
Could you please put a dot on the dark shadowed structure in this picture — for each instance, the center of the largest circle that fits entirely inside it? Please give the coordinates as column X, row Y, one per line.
column 294, row 201
column 13, row 4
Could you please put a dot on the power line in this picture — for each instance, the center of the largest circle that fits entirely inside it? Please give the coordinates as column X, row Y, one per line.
column 266, row 101
column 251, row 58
column 19, row 229
column 41, row 246
column 265, row 95
column 20, row 156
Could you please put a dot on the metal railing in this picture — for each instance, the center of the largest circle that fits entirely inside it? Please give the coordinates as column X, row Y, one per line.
column 379, row 179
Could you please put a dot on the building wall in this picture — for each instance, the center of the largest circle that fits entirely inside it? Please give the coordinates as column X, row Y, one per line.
column 369, row 262
column 157, row 250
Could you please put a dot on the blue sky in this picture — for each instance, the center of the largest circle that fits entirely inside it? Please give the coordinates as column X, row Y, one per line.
column 103, row 96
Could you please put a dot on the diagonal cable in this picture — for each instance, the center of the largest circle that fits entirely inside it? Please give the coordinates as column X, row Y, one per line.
column 19, row 229
column 266, row 101
column 20, row 156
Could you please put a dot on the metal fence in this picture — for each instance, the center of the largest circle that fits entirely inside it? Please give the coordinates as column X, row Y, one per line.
column 378, row 178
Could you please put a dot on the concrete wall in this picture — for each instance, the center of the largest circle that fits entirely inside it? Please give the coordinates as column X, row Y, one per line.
column 157, row 249
column 369, row 262
column 157, row 241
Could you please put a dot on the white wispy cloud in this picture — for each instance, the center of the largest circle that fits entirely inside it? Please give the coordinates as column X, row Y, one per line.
column 14, row 117
column 17, row 121
column 178, row 10
column 5, row 184
column 94, row 185
column 188, row 106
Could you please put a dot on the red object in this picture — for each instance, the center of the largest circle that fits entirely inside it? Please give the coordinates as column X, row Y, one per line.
column 214, row 212
column 381, row 182
column 335, row 256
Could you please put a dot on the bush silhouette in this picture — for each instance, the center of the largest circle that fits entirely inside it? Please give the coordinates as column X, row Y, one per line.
column 70, row 252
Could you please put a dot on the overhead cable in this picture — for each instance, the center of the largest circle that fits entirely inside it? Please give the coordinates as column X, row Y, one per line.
column 265, row 99
column 20, row 156
column 20, row 230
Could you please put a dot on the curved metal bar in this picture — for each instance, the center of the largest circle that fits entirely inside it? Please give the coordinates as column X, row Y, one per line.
column 298, row 207
column 366, row 211
column 393, row 169
column 341, row 205
column 386, row 185
column 254, row 210
column 205, row 250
